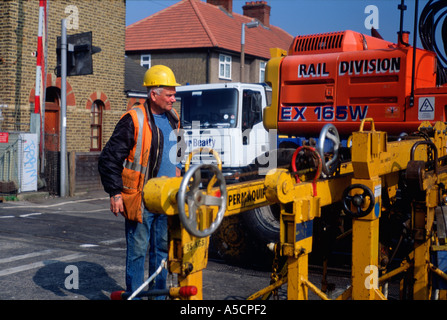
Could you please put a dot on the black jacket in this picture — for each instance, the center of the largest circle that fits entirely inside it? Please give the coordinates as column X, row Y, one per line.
column 117, row 149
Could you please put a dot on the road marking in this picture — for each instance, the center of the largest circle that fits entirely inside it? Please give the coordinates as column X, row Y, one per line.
column 88, row 245
column 104, row 242
column 118, row 249
column 39, row 264
column 30, row 214
column 26, row 256
column 107, row 242
column 54, row 204
column 88, row 211
column 22, row 215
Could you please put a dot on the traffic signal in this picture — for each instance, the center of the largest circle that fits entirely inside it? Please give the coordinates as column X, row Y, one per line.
column 79, row 54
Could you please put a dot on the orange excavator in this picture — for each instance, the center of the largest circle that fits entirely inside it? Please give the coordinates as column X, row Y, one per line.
column 326, row 84
column 341, row 78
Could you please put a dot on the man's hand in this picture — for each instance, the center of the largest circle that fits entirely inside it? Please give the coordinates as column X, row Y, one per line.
column 116, row 204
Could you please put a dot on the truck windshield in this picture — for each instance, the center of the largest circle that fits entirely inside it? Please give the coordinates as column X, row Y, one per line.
column 210, row 108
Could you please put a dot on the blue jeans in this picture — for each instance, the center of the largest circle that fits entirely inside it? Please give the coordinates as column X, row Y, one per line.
column 152, row 233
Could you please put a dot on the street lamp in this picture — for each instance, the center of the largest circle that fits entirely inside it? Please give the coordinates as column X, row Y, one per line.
column 251, row 24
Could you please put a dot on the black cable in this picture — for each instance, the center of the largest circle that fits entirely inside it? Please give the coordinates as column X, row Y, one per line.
column 433, row 13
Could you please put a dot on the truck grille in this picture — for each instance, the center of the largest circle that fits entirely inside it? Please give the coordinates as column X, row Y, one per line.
column 327, row 42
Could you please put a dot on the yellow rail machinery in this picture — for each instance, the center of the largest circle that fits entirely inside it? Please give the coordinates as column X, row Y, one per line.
column 366, row 188
column 384, row 194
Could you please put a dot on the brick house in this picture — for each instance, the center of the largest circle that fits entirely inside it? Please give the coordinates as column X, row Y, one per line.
column 201, row 41
column 94, row 102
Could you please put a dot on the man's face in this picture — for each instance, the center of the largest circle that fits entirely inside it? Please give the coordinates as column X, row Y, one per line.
column 163, row 101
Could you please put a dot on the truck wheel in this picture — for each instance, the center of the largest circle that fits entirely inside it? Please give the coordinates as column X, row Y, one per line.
column 263, row 223
column 234, row 244
column 229, row 242
column 243, row 238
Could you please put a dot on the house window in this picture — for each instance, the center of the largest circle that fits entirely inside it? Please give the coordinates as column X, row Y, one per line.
column 262, row 65
column 224, row 67
column 96, row 125
column 145, row 60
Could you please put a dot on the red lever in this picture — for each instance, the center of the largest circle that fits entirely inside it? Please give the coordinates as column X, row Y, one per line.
column 188, row 291
column 117, row 295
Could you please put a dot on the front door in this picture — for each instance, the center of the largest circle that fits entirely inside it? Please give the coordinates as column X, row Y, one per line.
column 52, row 121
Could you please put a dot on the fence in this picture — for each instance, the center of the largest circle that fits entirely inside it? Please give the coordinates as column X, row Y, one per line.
column 19, row 154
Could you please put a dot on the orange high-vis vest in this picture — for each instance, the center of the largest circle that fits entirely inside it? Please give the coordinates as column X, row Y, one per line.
column 135, row 166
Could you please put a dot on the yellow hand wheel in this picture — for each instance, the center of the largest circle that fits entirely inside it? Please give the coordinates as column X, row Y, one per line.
column 203, row 151
column 190, row 194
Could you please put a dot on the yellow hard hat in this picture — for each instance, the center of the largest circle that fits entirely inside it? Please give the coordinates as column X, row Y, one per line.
column 159, row 76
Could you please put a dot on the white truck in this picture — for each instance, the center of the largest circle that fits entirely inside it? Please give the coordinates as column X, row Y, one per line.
column 226, row 117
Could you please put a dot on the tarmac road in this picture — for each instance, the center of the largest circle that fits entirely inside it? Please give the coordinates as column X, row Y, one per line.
column 55, row 248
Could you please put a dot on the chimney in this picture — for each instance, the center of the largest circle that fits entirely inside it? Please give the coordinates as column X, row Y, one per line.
column 258, row 10
column 226, row 4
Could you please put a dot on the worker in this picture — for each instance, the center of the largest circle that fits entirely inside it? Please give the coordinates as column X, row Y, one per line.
column 140, row 149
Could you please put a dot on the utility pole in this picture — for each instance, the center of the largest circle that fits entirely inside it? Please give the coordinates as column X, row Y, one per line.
column 249, row 25
column 63, row 157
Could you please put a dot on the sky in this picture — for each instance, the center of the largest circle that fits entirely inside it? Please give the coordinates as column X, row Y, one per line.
column 302, row 17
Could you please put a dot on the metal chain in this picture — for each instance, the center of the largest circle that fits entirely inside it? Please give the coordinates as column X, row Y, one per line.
column 275, row 276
